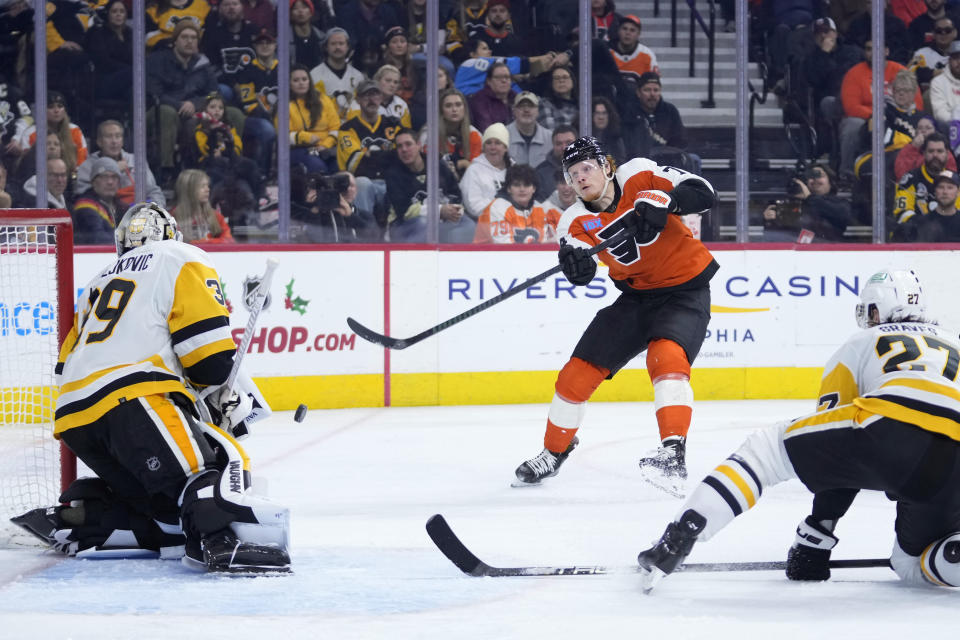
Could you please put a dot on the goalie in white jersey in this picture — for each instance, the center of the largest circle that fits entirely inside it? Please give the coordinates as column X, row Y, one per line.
column 150, row 329
column 888, row 420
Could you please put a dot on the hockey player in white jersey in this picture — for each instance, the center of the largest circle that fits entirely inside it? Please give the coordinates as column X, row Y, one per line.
column 150, row 330
column 888, row 420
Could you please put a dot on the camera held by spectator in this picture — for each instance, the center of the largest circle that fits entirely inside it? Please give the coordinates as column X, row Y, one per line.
column 811, row 207
column 330, row 192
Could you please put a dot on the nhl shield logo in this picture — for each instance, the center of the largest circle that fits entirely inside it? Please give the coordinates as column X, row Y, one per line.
column 153, row 463
column 250, row 285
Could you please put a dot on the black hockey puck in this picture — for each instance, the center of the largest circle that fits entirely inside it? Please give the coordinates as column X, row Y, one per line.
column 301, row 413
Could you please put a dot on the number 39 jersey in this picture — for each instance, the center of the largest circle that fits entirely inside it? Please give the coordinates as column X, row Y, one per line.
column 905, row 371
column 148, row 323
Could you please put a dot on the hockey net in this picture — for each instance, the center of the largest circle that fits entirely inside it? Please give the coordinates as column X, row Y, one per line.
column 36, row 313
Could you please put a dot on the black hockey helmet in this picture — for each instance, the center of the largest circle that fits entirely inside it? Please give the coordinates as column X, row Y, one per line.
column 583, row 148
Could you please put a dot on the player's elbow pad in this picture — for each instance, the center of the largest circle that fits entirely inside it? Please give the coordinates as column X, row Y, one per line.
column 693, row 196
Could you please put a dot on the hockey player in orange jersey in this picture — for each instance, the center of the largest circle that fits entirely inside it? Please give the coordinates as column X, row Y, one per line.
column 663, row 274
column 514, row 217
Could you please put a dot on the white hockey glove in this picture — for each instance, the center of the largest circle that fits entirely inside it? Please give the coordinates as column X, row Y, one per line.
column 235, row 409
column 809, row 557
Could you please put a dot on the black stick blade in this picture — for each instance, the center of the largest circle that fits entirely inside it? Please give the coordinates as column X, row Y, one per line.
column 376, row 338
column 450, row 545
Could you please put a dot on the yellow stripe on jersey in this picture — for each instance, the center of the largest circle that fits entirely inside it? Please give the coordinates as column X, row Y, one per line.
column 111, row 400
column 921, row 419
column 194, row 296
column 198, row 354
column 841, row 382
column 741, row 484
column 156, row 361
column 167, row 412
column 233, row 441
column 840, row 417
column 928, row 386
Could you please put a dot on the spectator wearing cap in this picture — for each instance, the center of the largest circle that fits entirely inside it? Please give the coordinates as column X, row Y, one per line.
column 335, row 76
column 306, row 39
column 493, row 103
column 473, row 74
column 920, row 31
column 498, row 32
column 406, row 179
column 367, row 18
column 396, row 52
column 911, row 155
column 95, row 212
column 313, row 124
column 633, row 58
column 110, row 47
column 366, row 139
column 257, row 87
column 387, row 78
column 228, row 43
column 58, row 197
column 529, row 142
column 653, row 126
column 562, row 136
column 941, row 224
column 558, row 102
column 930, row 61
column 945, row 89
column 178, row 81
column 163, row 17
column 823, row 69
column 110, row 145
column 821, row 210
column 856, row 94
column 73, row 143
column 484, row 177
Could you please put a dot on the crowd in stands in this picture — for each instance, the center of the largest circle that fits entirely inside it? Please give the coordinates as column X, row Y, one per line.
column 509, row 102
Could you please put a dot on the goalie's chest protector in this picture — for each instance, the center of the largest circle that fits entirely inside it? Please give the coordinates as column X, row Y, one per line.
column 674, row 258
column 157, row 309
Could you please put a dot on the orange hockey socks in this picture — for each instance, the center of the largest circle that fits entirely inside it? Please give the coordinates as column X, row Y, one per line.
column 576, row 382
column 669, row 371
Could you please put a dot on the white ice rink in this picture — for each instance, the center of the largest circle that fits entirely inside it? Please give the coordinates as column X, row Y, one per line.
column 361, row 483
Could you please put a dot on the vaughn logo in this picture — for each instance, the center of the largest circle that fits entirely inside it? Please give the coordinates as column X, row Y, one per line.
column 250, row 286
column 235, row 484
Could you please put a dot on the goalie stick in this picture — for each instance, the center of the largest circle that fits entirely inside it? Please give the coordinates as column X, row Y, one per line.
column 402, row 343
column 451, row 546
column 259, row 298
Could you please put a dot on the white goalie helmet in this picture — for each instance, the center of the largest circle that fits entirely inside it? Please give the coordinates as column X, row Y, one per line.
column 145, row 222
column 891, row 296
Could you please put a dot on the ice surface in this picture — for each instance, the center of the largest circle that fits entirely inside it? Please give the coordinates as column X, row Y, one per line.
column 361, row 484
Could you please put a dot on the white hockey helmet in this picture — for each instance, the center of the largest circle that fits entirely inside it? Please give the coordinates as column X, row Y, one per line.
column 145, row 222
column 895, row 295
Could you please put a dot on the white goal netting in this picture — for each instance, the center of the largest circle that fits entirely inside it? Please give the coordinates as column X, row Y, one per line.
column 30, row 465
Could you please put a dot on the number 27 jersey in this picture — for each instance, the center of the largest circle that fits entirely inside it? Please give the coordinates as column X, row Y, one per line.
column 147, row 324
column 905, row 371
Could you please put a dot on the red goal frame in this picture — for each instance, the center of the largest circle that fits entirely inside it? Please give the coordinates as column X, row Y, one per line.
column 62, row 223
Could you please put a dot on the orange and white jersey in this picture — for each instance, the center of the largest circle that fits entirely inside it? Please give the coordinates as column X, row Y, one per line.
column 502, row 222
column 633, row 65
column 905, row 370
column 673, row 258
column 146, row 318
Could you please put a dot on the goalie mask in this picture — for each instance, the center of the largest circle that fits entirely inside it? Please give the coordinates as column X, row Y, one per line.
column 145, row 222
column 891, row 296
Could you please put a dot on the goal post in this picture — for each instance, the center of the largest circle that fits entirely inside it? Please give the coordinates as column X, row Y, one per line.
column 36, row 314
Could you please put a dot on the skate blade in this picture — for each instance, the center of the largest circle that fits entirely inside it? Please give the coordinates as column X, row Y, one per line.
column 675, row 487
column 251, row 570
column 520, row 484
column 649, row 579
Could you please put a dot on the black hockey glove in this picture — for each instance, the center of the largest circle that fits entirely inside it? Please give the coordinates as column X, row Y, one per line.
column 651, row 209
column 578, row 267
column 809, row 557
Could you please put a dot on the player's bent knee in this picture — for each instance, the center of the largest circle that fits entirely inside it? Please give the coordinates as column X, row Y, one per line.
column 578, row 379
column 666, row 358
column 764, row 452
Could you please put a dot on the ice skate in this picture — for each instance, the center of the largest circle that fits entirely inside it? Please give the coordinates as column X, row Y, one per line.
column 545, row 465
column 669, row 552
column 666, row 467
column 224, row 552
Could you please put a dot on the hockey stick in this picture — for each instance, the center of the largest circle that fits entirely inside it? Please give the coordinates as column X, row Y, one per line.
column 398, row 343
column 451, row 546
column 259, row 298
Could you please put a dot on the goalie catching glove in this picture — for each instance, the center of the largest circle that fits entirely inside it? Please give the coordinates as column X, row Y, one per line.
column 236, row 408
column 809, row 557
column 650, row 209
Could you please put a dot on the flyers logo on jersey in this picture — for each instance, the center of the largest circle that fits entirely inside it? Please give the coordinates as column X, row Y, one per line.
column 625, row 252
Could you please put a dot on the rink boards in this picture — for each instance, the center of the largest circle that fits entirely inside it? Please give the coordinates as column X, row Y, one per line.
column 777, row 315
